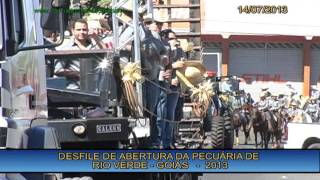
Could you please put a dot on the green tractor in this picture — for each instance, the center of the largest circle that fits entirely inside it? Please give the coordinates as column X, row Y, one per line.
column 215, row 130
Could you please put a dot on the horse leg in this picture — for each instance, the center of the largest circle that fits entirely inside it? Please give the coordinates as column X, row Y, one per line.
column 279, row 135
column 256, row 138
column 272, row 137
column 245, row 133
column 267, row 136
column 262, row 137
column 247, row 125
column 237, row 136
column 246, row 136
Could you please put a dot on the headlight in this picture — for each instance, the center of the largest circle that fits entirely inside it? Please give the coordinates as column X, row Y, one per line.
column 132, row 123
column 79, row 129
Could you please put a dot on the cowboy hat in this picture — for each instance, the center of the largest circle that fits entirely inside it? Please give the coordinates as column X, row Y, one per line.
column 125, row 17
column 294, row 103
column 94, row 24
column 127, row 6
column 194, row 71
column 95, row 16
column 147, row 18
column 186, row 46
column 161, row 19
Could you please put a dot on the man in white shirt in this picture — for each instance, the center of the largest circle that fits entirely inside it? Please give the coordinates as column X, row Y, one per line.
column 81, row 40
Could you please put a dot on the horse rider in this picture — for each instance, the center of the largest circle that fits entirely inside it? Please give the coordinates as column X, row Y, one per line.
column 249, row 99
column 282, row 101
column 226, row 86
column 263, row 103
column 236, row 101
column 274, row 107
column 282, row 104
column 225, row 91
column 293, row 98
column 297, row 113
column 312, row 109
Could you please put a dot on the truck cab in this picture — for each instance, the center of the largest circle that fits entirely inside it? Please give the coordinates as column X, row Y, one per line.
column 303, row 136
column 26, row 96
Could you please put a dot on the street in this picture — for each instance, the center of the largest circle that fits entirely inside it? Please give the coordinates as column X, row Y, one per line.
column 251, row 142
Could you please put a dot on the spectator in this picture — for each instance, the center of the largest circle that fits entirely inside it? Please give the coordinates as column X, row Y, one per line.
column 167, row 103
column 106, row 33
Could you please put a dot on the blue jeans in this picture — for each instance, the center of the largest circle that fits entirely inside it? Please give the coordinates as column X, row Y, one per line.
column 150, row 98
column 165, row 111
column 178, row 115
column 167, row 130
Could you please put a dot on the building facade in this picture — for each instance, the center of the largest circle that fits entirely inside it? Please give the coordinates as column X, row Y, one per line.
column 265, row 53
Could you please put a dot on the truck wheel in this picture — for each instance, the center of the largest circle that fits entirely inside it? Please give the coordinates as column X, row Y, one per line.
column 217, row 132
column 314, row 146
column 229, row 133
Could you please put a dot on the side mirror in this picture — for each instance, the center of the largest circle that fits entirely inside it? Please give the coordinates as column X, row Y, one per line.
column 53, row 19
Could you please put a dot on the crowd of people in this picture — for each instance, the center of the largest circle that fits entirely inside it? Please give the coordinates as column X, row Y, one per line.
column 161, row 55
column 294, row 104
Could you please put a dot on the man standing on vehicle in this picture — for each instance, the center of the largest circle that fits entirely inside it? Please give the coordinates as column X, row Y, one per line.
column 81, row 40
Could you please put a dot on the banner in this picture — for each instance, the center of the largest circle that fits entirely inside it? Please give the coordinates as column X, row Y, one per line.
column 159, row 161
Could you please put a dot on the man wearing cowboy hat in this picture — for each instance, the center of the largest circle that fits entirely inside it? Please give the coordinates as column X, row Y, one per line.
column 263, row 103
column 282, row 100
column 274, row 106
column 312, row 109
column 297, row 113
column 226, row 86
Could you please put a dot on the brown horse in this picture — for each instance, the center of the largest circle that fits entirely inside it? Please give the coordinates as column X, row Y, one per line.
column 269, row 124
column 239, row 119
column 259, row 124
column 278, row 125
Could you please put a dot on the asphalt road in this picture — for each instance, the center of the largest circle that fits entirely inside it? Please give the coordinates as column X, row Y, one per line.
column 251, row 142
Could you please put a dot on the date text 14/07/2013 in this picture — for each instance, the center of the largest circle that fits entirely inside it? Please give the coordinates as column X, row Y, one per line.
column 263, row 9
